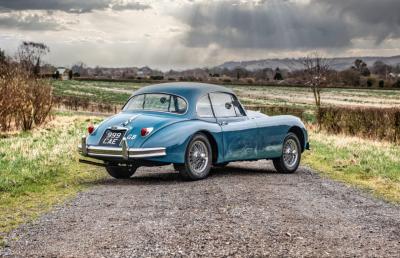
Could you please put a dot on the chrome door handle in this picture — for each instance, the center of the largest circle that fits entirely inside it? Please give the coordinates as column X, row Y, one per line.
column 223, row 123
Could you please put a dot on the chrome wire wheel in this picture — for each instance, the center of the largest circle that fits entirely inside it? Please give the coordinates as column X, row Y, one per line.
column 198, row 157
column 290, row 153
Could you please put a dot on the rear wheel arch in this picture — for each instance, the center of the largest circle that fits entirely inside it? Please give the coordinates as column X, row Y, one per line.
column 300, row 135
column 213, row 143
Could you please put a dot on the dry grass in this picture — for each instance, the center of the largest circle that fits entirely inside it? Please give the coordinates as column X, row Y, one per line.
column 371, row 165
column 40, row 168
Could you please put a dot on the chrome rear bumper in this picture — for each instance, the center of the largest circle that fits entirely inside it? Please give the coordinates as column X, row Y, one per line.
column 123, row 152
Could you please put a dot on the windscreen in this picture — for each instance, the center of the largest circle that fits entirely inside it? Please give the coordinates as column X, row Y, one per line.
column 157, row 102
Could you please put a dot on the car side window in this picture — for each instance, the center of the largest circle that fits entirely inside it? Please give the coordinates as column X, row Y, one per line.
column 203, row 107
column 180, row 105
column 223, row 104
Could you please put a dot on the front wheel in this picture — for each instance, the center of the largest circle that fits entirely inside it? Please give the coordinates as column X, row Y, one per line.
column 120, row 172
column 198, row 158
column 291, row 155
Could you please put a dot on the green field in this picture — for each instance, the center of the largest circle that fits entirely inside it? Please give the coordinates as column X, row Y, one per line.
column 96, row 91
column 119, row 92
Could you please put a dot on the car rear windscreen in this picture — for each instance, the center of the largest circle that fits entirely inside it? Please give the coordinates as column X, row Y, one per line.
column 157, row 102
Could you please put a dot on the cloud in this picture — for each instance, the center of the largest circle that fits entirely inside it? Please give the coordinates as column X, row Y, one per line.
column 378, row 20
column 71, row 6
column 33, row 22
column 289, row 24
column 369, row 11
column 120, row 6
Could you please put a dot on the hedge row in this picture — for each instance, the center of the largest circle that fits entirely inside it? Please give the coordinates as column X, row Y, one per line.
column 83, row 104
column 375, row 123
column 278, row 110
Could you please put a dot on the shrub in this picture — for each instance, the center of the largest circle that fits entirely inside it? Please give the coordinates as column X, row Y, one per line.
column 350, row 77
column 72, row 102
column 157, row 77
column 25, row 101
column 80, row 103
column 396, row 84
column 250, row 80
column 370, row 82
column 375, row 123
column 381, row 83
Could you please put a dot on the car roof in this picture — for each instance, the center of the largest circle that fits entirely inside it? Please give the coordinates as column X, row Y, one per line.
column 189, row 90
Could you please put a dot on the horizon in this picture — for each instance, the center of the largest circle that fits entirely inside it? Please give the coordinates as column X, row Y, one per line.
column 185, row 34
column 363, row 58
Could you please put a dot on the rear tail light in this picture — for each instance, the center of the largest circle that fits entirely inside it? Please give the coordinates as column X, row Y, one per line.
column 146, row 131
column 90, row 129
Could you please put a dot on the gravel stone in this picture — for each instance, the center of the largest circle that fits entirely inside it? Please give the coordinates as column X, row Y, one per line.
column 243, row 210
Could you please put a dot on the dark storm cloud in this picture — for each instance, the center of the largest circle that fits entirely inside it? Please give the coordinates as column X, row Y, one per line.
column 71, row 6
column 369, row 11
column 29, row 22
column 370, row 18
column 278, row 24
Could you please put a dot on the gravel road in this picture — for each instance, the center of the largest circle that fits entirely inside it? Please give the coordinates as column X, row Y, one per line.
column 243, row 210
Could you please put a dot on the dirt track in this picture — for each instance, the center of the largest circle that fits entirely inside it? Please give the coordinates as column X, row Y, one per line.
column 244, row 210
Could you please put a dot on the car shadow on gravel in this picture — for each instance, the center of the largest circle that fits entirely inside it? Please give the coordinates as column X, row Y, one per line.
column 233, row 170
column 171, row 177
column 150, row 178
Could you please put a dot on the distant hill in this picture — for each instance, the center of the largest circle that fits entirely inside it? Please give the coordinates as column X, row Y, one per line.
column 339, row 64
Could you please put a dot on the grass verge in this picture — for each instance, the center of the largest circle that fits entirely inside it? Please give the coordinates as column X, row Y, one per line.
column 370, row 165
column 39, row 169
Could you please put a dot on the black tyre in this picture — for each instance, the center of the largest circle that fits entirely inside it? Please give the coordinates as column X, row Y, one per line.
column 198, row 159
column 120, row 172
column 178, row 167
column 291, row 155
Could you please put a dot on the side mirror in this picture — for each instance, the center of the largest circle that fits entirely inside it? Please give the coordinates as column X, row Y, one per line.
column 228, row 105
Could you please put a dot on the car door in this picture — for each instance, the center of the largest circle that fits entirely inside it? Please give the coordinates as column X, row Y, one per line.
column 272, row 131
column 239, row 132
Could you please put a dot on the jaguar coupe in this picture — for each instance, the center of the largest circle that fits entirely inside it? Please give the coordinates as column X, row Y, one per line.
column 193, row 126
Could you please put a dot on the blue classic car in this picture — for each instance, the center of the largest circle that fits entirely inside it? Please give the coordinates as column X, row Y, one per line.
column 194, row 127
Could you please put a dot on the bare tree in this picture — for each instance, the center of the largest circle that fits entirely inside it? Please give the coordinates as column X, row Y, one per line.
column 2, row 56
column 316, row 70
column 30, row 55
column 79, row 68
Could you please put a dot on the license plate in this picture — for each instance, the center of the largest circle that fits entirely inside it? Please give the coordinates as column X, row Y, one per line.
column 112, row 137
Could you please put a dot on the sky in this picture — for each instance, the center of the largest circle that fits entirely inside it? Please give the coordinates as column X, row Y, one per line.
column 181, row 34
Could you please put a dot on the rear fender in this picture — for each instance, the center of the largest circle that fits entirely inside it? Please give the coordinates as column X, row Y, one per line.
column 176, row 137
